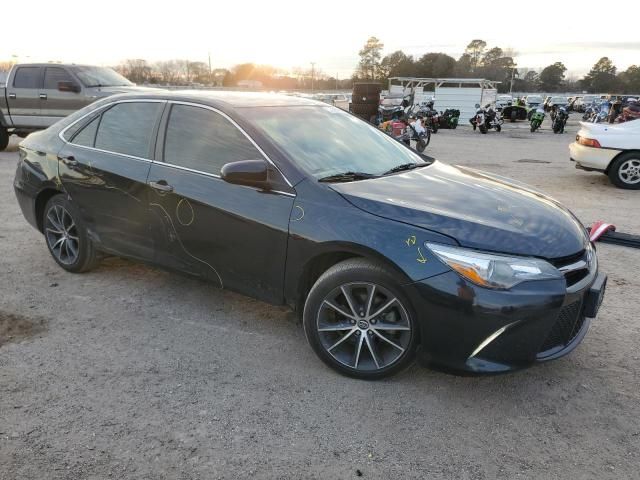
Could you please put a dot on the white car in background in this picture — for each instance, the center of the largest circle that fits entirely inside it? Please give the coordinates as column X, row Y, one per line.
column 611, row 149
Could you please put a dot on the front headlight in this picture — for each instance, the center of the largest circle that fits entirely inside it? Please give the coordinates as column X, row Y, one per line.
column 491, row 270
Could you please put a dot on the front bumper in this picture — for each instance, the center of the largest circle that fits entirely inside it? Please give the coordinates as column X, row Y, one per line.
column 466, row 328
column 591, row 158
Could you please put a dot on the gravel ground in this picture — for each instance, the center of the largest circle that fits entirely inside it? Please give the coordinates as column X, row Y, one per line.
column 133, row 372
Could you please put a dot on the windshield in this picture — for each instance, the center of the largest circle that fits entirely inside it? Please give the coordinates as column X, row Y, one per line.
column 533, row 99
column 101, row 77
column 326, row 141
column 559, row 99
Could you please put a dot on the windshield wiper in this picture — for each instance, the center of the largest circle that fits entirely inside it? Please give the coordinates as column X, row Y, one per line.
column 404, row 166
column 347, row 177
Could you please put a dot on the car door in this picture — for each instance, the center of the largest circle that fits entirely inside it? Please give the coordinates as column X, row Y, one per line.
column 56, row 104
column 104, row 168
column 233, row 235
column 23, row 96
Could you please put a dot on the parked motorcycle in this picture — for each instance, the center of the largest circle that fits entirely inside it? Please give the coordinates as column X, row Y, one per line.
column 485, row 119
column 450, row 118
column 431, row 117
column 589, row 112
column 408, row 128
column 415, row 130
column 537, row 118
column 560, row 120
column 603, row 113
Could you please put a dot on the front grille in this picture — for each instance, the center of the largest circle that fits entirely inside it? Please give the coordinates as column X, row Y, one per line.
column 567, row 326
column 574, row 267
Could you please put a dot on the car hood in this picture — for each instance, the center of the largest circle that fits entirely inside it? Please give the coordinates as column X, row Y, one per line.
column 477, row 209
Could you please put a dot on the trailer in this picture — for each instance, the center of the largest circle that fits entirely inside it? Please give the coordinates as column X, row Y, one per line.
column 456, row 93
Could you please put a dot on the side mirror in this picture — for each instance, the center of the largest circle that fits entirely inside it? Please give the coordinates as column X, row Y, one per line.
column 68, row 87
column 251, row 173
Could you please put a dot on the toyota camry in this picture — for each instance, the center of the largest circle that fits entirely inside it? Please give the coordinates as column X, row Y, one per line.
column 387, row 254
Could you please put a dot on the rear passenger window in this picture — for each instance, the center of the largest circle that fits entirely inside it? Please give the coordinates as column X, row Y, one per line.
column 27, row 77
column 127, row 128
column 87, row 135
column 204, row 140
column 53, row 75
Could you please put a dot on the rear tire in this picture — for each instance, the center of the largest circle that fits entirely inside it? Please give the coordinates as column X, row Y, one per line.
column 621, row 171
column 4, row 138
column 483, row 129
column 66, row 236
column 340, row 319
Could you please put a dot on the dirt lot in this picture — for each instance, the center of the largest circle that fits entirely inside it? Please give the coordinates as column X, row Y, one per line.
column 132, row 372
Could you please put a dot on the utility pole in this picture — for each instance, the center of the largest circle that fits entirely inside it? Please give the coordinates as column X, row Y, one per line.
column 513, row 71
column 313, row 72
column 337, row 75
column 210, row 78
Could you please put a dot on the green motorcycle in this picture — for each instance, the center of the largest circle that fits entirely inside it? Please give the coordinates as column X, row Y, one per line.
column 536, row 119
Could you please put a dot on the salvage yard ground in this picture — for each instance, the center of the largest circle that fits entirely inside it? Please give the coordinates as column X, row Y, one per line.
column 133, row 372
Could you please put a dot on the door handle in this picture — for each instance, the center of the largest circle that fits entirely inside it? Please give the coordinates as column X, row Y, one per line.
column 12, row 96
column 69, row 161
column 43, row 96
column 161, row 186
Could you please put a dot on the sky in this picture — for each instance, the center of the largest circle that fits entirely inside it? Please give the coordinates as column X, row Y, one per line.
column 330, row 33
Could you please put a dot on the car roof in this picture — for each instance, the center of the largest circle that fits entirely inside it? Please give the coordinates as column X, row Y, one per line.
column 55, row 64
column 227, row 98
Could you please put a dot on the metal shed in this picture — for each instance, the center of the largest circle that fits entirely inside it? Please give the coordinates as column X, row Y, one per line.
column 460, row 93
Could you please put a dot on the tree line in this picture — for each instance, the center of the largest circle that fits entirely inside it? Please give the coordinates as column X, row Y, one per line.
column 478, row 60
column 184, row 72
column 495, row 63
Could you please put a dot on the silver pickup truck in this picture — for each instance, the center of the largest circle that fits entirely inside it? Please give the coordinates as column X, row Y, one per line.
column 38, row 95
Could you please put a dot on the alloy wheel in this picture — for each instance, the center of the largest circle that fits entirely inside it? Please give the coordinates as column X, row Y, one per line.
column 62, row 235
column 629, row 172
column 364, row 326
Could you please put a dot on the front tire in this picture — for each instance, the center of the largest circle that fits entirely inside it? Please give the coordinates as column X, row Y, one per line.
column 359, row 322
column 66, row 236
column 624, row 172
column 483, row 129
column 4, row 138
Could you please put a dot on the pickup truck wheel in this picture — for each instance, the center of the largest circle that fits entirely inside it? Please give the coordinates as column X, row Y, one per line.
column 624, row 172
column 4, row 138
column 66, row 236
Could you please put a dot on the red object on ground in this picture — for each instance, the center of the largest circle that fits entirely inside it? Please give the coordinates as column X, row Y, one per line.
column 398, row 128
column 599, row 228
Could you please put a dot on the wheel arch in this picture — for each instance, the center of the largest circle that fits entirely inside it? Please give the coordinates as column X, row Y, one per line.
column 623, row 152
column 332, row 254
column 41, row 200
